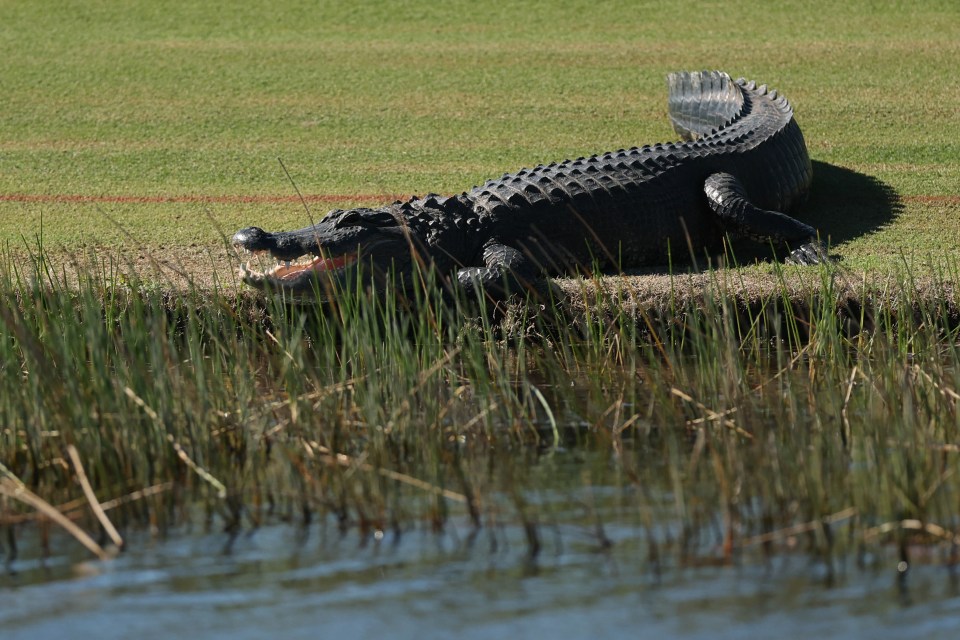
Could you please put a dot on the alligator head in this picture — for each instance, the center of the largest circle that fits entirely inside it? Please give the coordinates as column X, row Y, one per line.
column 328, row 252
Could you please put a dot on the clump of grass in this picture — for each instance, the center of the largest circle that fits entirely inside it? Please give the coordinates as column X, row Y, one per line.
column 720, row 426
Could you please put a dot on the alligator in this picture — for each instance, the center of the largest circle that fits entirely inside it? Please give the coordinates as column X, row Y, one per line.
column 741, row 162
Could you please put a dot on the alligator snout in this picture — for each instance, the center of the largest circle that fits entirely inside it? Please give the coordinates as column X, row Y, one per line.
column 253, row 239
column 283, row 245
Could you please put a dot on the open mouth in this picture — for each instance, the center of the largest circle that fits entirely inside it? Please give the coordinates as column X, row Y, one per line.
column 291, row 271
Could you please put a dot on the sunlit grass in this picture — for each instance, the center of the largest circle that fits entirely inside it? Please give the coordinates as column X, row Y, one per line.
column 376, row 98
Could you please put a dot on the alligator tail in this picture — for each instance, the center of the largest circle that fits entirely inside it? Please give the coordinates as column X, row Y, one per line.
column 700, row 102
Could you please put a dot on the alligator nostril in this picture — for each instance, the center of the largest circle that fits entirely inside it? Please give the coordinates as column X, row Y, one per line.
column 252, row 238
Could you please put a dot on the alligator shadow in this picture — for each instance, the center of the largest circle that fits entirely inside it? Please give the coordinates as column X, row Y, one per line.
column 843, row 205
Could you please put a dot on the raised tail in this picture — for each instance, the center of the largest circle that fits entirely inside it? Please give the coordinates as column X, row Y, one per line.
column 700, row 102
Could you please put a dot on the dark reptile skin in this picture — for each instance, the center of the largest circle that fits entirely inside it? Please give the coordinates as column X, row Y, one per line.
column 631, row 203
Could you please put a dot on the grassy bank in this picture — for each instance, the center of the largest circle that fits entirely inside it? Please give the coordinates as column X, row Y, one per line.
column 734, row 427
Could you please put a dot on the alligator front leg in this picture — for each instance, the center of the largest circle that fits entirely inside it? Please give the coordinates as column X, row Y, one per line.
column 728, row 199
column 507, row 271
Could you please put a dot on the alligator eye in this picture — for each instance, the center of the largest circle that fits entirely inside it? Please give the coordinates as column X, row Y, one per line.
column 349, row 219
column 366, row 218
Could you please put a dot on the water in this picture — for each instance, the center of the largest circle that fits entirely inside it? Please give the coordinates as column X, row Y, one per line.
column 280, row 581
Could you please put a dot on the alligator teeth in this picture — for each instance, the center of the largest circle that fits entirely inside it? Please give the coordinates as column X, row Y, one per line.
column 287, row 270
column 317, row 264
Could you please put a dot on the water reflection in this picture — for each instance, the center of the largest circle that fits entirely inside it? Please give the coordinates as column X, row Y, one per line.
column 279, row 582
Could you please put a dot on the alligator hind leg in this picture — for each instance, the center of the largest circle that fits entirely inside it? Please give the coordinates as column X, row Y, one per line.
column 728, row 199
column 507, row 271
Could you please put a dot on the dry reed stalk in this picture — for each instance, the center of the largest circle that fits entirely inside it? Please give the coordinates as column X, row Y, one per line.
column 92, row 498
column 12, row 487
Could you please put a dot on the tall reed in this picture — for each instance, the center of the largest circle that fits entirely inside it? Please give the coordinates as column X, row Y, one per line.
column 714, row 425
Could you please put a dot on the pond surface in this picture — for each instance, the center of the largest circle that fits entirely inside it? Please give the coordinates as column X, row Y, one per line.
column 280, row 581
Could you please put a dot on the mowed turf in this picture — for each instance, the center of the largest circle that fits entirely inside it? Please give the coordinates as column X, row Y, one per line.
column 169, row 118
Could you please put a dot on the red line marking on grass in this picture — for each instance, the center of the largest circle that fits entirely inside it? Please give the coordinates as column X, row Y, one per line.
column 368, row 198
column 202, row 199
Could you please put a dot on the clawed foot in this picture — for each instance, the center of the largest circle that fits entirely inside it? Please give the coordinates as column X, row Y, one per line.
column 811, row 253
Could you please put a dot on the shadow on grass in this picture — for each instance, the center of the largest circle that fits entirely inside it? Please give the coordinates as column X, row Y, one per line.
column 843, row 204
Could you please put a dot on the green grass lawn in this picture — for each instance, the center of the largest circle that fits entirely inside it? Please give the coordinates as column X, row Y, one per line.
column 372, row 99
